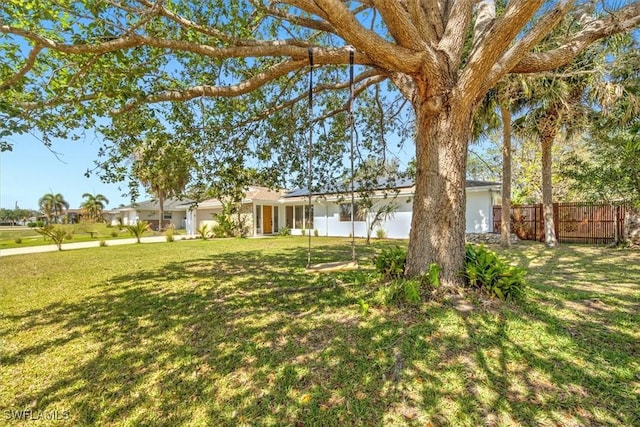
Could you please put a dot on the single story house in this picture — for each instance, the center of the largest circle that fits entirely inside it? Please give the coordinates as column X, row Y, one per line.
column 175, row 212
column 266, row 212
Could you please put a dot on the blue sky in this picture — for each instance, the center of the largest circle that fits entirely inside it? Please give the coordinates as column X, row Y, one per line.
column 31, row 170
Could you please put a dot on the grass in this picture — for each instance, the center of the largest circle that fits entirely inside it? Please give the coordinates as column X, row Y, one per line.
column 80, row 233
column 234, row 332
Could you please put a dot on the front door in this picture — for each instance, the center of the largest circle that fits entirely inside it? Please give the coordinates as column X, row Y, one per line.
column 267, row 219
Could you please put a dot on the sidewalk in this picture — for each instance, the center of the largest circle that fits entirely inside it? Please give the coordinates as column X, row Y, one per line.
column 82, row 245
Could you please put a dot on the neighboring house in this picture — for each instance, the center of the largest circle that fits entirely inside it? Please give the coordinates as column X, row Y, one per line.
column 266, row 211
column 175, row 212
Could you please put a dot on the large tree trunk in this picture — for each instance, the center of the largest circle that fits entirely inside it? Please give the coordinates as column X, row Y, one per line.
column 505, row 229
column 550, row 239
column 438, row 225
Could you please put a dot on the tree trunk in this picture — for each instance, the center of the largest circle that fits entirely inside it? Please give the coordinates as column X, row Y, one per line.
column 547, row 194
column 505, row 229
column 438, row 225
column 161, row 209
column 632, row 227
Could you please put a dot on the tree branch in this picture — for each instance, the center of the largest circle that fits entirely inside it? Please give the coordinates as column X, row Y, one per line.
column 623, row 20
column 399, row 24
column 541, row 29
column 381, row 52
column 452, row 41
column 26, row 67
column 497, row 37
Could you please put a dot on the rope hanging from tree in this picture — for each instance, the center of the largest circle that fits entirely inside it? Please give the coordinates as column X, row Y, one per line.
column 338, row 265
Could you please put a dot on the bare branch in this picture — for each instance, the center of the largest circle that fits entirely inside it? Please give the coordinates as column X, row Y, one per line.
column 383, row 53
column 455, row 31
column 542, row 28
column 399, row 23
column 497, row 37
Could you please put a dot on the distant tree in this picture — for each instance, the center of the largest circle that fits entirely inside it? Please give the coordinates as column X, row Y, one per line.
column 53, row 206
column 93, row 206
column 611, row 170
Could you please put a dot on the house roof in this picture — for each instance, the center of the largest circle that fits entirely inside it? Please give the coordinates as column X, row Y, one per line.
column 153, row 205
column 252, row 193
column 382, row 184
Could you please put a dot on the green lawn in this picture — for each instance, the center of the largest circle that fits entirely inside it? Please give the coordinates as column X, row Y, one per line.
column 233, row 332
column 78, row 233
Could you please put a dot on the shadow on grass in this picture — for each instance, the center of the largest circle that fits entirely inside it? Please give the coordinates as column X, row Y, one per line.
column 244, row 337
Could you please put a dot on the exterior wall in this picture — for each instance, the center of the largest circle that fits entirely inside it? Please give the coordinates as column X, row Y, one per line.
column 479, row 217
column 178, row 218
column 327, row 220
column 205, row 216
column 479, row 211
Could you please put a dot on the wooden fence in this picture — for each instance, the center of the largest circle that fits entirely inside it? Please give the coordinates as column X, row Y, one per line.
column 574, row 222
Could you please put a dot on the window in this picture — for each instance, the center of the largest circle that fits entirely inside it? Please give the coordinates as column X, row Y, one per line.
column 259, row 218
column 294, row 217
column 345, row 213
column 298, row 217
column 308, row 214
column 166, row 215
column 276, row 219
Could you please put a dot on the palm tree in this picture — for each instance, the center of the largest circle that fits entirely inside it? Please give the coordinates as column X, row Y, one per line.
column 164, row 168
column 53, row 206
column 93, row 206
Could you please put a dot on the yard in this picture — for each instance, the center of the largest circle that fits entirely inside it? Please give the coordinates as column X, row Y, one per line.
column 234, row 332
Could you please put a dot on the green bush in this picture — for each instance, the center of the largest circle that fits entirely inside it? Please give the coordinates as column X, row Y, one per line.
column 138, row 229
column 486, row 271
column 315, row 232
column 18, row 240
column 114, row 234
column 204, row 231
column 103, row 243
column 68, row 236
column 399, row 291
column 284, row 231
column 390, row 263
column 380, row 233
column 170, row 232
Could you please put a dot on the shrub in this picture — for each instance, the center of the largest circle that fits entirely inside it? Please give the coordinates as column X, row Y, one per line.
column 18, row 240
column 31, row 224
column 380, row 233
column 114, row 233
column 68, row 236
column 390, row 262
column 399, row 291
column 284, row 231
column 315, row 232
column 303, row 231
column 170, row 232
column 225, row 226
column 56, row 234
column 486, row 271
column 204, row 231
column 138, row 229
column 103, row 243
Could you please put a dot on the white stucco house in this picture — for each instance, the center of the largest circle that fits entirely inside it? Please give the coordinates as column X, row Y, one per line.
column 175, row 212
column 267, row 211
